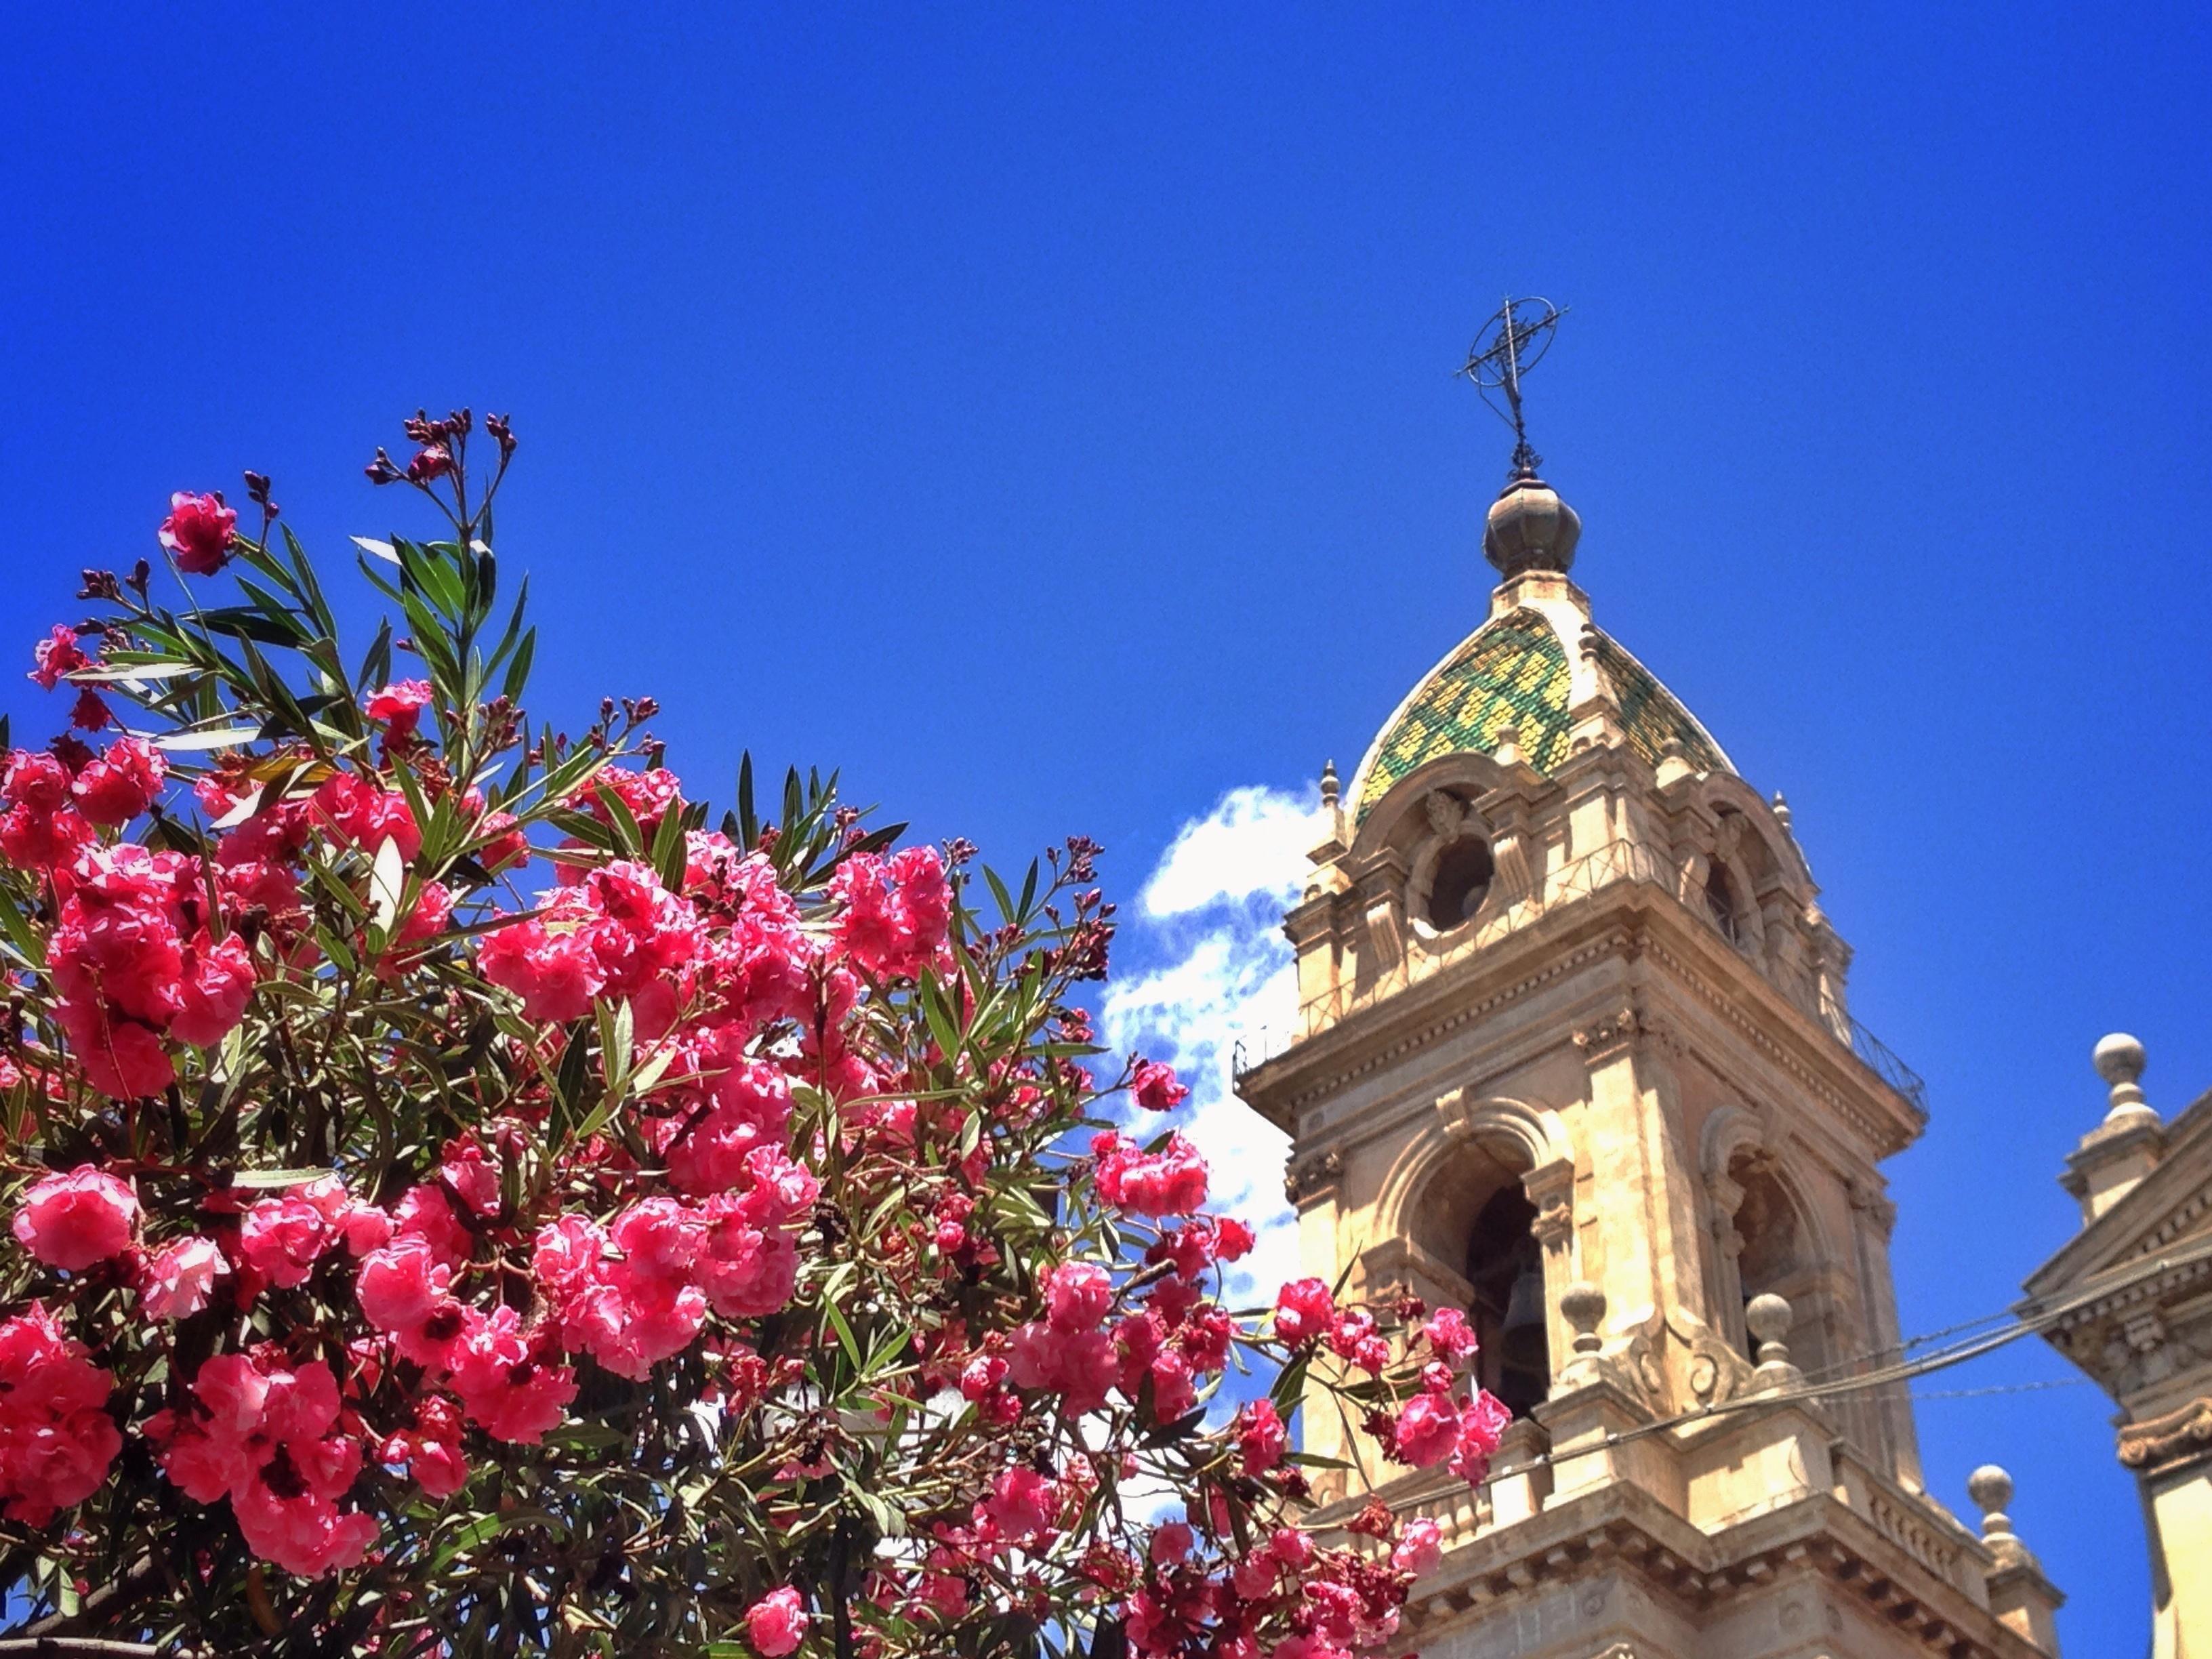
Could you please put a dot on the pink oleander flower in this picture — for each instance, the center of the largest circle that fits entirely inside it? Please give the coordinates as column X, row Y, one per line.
column 506, row 1390
column 1420, row 1547
column 121, row 783
column 776, row 1623
column 57, row 1440
column 1483, row 1423
column 1261, row 1437
column 72, row 1221
column 1450, row 1335
column 177, row 1280
column 199, row 530
column 896, row 910
column 1303, row 1310
column 282, row 1238
column 404, row 1290
column 1155, row 1087
column 1077, row 1296
column 1428, row 1430
column 1170, row 1182
column 556, row 974
column 1171, row 1541
column 1023, row 1504
column 57, row 655
column 398, row 707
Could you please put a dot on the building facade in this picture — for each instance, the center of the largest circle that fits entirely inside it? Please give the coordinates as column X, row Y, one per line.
column 2130, row 1301
column 1574, row 1052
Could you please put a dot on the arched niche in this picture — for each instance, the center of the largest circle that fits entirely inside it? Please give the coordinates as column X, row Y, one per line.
column 1475, row 1203
column 1766, row 1236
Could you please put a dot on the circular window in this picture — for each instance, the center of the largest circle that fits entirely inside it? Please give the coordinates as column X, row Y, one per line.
column 1460, row 880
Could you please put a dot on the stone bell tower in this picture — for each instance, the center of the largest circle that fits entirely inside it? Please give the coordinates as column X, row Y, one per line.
column 1573, row 1054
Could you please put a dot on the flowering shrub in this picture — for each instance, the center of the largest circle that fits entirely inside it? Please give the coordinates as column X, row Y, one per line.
column 470, row 1198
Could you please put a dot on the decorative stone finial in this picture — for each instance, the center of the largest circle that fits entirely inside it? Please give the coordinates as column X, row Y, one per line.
column 1990, row 1488
column 1582, row 1304
column 1782, row 814
column 2118, row 1059
column 1769, row 1319
column 1531, row 528
column 1329, row 789
column 1507, row 751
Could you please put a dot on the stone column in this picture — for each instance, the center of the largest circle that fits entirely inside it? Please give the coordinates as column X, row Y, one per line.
column 1872, row 1217
column 1642, row 1194
column 2172, row 1456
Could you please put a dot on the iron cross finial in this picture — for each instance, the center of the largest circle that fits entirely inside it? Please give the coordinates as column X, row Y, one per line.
column 1509, row 346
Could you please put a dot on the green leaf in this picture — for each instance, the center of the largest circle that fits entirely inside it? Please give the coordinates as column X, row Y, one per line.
column 262, row 1179
column 845, row 1339
column 226, row 736
column 387, row 881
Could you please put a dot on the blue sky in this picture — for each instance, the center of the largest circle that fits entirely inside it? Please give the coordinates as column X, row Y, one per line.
column 1048, row 417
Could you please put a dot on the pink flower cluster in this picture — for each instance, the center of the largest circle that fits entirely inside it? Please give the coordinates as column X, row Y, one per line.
column 1170, row 1182
column 1161, row 1351
column 896, row 911
column 57, row 1439
column 1333, row 1601
column 52, row 813
column 135, row 961
column 265, row 1434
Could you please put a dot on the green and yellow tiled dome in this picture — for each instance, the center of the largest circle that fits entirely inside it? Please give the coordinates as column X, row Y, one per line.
column 1515, row 670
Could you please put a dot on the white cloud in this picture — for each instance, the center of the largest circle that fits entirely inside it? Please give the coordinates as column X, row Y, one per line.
column 1252, row 844
column 1210, row 966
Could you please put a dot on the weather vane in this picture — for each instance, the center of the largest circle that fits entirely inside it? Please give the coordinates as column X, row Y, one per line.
column 1508, row 348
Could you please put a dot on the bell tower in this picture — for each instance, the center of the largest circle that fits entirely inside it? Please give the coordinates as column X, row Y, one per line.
column 1573, row 1053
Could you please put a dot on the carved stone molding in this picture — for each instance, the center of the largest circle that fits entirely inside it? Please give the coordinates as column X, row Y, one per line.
column 1304, row 1177
column 2162, row 1442
column 1604, row 1038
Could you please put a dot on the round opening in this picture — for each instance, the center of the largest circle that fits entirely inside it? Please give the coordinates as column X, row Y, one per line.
column 1462, row 878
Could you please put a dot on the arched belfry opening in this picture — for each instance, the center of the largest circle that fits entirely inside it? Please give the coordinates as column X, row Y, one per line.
column 1779, row 1255
column 1506, row 1270
column 1473, row 1229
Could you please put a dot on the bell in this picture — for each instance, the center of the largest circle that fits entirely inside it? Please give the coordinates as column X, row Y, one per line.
column 1521, row 1332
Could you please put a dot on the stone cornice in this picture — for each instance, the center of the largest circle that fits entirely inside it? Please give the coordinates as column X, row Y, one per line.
column 1700, row 1573
column 2174, row 1201
column 1623, row 922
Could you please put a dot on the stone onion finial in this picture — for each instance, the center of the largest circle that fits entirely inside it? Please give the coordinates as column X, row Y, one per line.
column 1507, row 752
column 1990, row 1488
column 2118, row 1059
column 1531, row 528
column 1329, row 789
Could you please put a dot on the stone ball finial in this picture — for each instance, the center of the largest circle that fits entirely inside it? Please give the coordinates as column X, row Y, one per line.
column 2118, row 1059
column 1531, row 528
column 1582, row 1305
column 1990, row 1488
column 1769, row 1318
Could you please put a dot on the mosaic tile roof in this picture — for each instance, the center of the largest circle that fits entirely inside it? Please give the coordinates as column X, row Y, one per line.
column 1514, row 672
column 1511, row 672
